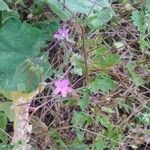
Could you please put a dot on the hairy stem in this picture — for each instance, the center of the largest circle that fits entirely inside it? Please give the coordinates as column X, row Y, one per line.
column 85, row 56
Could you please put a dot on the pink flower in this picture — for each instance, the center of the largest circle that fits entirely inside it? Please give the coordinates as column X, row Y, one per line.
column 61, row 34
column 62, row 87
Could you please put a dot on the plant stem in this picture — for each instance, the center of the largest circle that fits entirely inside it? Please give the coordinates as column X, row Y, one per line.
column 85, row 56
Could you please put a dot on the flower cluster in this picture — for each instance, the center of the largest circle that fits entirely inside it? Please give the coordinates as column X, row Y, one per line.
column 62, row 87
column 62, row 34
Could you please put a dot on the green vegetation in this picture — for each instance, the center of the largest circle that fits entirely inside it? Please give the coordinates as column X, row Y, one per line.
column 74, row 75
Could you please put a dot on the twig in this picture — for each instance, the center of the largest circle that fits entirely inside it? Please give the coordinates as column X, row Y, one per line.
column 94, row 3
column 85, row 56
column 89, row 131
column 53, row 45
column 64, row 5
column 6, row 133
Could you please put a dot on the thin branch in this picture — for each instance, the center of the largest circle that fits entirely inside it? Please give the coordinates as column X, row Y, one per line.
column 85, row 56
column 64, row 6
column 91, row 9
column 6, row 133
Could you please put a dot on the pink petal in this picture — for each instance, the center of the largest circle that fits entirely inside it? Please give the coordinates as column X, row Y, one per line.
column 66, row 31
column 65, row 83
column 69, row 89
column 57, row 90
column 57, row 36
column 58, row 83
column 59, row 31
column 64, row 93
column 63, row 29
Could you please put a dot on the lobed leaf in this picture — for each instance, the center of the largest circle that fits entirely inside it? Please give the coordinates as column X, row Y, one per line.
column 3, row 6
column 84, row 102
column 6, row 108
column 102, row 82
column 22, row 65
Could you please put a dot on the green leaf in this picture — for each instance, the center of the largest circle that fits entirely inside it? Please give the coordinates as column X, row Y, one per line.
column 79, row 119
column 144, row 118
column 102, row 82
column 101, row 15
column 49, row 27
column 102, row 59
column 84, row 102
column 138, row 20
column 9, row 14
column 57, row 8
column 78, row 147
column 99, row 145
column 3, row 6
column 99, row 19
column 3, row 123
column 38, row 7
column 114, row 133
column 145, row 45
column 4, row 146
column 141, row 19
column 104, row 121
column 107, row 110
column 79, row 136
column 71, row 102
column 79, row 6
column 98, row 14
column 54, row 134
column 6, row 108
column 134, row 76
column 22, row 65
column 77, row 63
column 122, row 104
